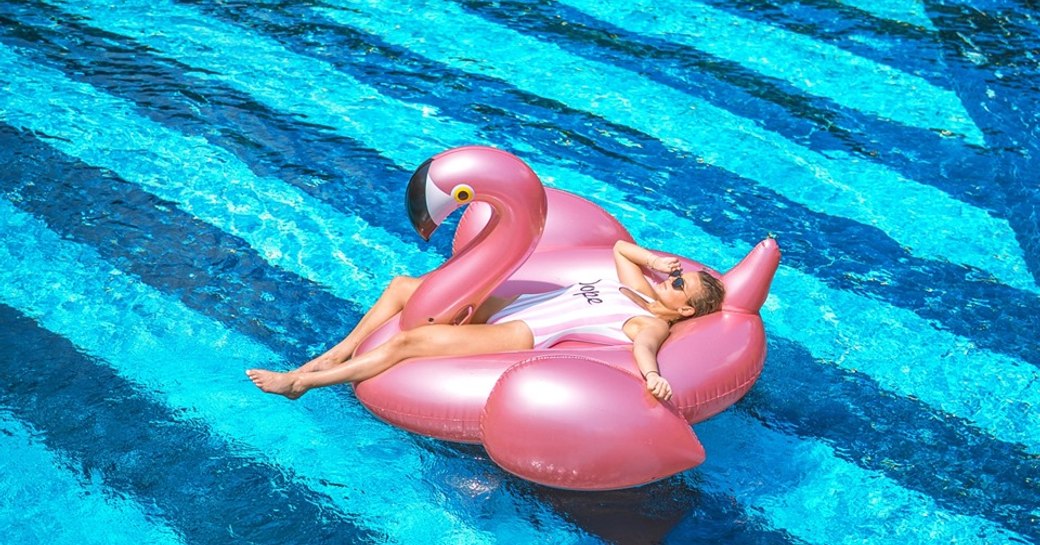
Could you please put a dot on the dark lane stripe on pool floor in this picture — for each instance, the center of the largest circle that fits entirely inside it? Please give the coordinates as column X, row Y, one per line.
column 1000, row 90
column 209, row 270
column 817, row 123
column 993, row 85
column 327, row 166
column 968, row 472
column 849, row 28
column 210, row 491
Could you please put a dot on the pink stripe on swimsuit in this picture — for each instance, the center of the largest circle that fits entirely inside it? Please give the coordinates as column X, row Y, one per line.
column 593, row 312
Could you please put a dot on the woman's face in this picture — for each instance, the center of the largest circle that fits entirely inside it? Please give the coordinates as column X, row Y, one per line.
column 678, row 298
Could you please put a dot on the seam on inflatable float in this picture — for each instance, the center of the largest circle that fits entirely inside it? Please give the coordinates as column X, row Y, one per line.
column 417, row 416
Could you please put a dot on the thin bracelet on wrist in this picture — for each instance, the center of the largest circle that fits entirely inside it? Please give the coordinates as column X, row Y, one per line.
column 648, row 372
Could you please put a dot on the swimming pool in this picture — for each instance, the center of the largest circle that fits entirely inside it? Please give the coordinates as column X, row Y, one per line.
column 194, row 188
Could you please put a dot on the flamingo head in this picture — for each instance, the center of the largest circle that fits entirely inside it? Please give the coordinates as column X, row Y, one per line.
column 468, row 174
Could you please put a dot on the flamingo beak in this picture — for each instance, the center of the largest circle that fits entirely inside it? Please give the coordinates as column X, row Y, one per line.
column 428, row 204
column 415, row 200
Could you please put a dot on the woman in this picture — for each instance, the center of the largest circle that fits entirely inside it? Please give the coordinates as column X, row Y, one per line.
column 630, row 309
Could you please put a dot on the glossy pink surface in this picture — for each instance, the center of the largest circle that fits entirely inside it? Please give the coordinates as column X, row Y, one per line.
column 520, row 404
column 610, row 434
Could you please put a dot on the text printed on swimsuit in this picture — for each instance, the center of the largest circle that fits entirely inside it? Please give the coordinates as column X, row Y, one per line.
column 589, row 291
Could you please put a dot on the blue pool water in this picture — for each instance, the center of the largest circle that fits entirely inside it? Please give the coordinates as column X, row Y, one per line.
column 194, row 188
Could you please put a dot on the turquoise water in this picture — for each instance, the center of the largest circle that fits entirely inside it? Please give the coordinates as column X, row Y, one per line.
column 192, row 189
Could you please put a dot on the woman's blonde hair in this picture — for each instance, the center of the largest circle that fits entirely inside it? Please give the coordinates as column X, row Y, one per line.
column 710, row 297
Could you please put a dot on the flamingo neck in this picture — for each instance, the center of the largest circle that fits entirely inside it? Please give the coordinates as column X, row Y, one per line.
column 451, row 293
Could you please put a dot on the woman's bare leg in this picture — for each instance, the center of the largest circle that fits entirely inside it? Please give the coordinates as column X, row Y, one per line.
column 431, row 340
column 393, row 299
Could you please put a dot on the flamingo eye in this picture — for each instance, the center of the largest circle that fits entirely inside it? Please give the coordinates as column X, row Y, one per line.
column 462, row 193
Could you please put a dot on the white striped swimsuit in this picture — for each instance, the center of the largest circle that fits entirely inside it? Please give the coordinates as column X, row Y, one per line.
column 593, row 312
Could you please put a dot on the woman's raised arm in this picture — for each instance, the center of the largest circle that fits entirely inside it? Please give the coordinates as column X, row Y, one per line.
column 628, row 258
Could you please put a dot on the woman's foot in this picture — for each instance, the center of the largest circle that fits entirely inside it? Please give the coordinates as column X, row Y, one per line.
column 285, row 384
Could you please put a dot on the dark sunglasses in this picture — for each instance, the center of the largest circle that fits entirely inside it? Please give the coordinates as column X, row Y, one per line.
column 678, row 282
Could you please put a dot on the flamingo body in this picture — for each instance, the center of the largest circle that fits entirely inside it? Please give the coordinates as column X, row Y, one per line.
column 574, row 415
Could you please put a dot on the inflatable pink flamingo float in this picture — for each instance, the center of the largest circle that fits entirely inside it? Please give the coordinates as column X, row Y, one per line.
column 575, row 415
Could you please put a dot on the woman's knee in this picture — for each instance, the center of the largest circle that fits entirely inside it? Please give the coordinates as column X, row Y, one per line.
column 404, row 286
column 405, row 344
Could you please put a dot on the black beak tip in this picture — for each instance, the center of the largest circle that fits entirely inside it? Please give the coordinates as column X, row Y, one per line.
column 415, row 201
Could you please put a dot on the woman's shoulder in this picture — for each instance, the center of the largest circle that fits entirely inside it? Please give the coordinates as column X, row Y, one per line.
column 637, row 325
